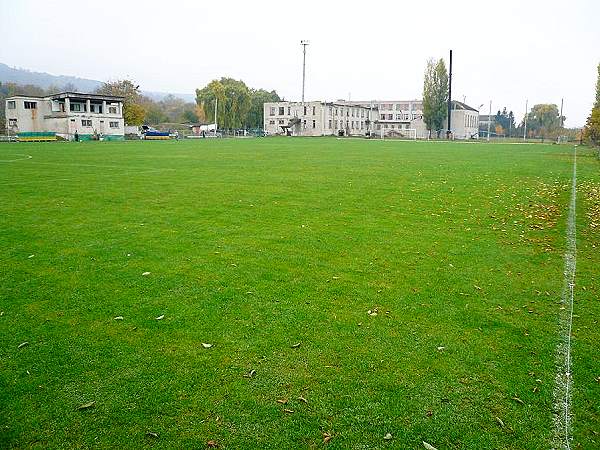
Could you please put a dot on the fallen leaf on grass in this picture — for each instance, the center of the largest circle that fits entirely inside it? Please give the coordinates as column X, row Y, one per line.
column 440, row 348
column 296, row 345
column 145, row 274
column 118, row 318
column 288, row 411
column 205, row 345
column 250, row 374
column 212, row 444
column 30, row 256
column 500, row 422
column 326, row 437
column 388, row 436
column 161, row 317
column 152, row 434
column 87, row 405
column 303, row 400
column 282, row 401
column 518, row 400
column 23, row 344
column 428, row 446
column 476, row 287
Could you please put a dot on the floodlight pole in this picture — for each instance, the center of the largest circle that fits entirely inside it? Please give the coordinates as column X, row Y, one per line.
column 303, row 43
column 525, row 121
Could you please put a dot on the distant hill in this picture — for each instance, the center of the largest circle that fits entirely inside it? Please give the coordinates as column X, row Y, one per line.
column 46, row 80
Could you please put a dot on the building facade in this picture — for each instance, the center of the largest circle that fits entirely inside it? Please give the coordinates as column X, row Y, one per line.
column 67, row 113
column 319, row 118
column 404, row 118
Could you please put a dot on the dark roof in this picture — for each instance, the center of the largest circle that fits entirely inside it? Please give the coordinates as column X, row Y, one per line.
column 62, row 95
column 461, row 105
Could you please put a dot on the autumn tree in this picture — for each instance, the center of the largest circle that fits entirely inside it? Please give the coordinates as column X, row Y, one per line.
column 435, row 95
column 133, row 110
column 238, row 105
column 258, row 97
column 592, row 126
column 544, row 120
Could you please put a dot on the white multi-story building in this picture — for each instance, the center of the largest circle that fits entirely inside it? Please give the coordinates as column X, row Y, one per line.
column 66, row 114
column 405, row 118
column 319, row 118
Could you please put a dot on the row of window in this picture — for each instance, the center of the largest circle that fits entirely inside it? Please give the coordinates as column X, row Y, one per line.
column 339, row 124
column 470, row 121
column 402, row 116
column 88, row 123
column 12, row 123
column 74, row 107
column 350, row 112
column 394, row 106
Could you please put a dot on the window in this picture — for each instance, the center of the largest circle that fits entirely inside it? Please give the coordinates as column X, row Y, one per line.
column 305, row 112
column 86, row 123
column 314, row 111
column 96, row 108
column 11, row 104
column 271, row 122
column 12, row 123
column 113, row 124
column 314, row 123
column 112, row 110
column 281, row 121
column 390, row 117
column 382, row 116
column 281, row 110
column 289, row 111
column 30, row 105
column 272, row 111
column 330, row 124
column 304, row 122
column 75, row 107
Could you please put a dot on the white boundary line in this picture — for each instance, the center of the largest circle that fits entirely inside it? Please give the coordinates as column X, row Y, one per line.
column 564, row 380
column 15, row 160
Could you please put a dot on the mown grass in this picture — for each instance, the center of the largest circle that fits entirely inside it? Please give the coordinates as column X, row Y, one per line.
column 255, row 246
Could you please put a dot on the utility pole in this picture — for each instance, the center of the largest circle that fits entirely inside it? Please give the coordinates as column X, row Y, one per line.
column 303, row 43
column 525, row 127
column 561, row 117
column 489, row 121
column 449, row 99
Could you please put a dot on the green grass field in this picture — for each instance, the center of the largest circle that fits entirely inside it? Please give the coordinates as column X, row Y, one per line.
column 275, row 251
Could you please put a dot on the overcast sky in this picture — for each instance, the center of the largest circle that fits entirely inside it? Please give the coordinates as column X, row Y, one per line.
column 505, row 51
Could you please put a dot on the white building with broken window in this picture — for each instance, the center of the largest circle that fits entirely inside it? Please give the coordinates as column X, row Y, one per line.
column 318, row 118
column 65, row 114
